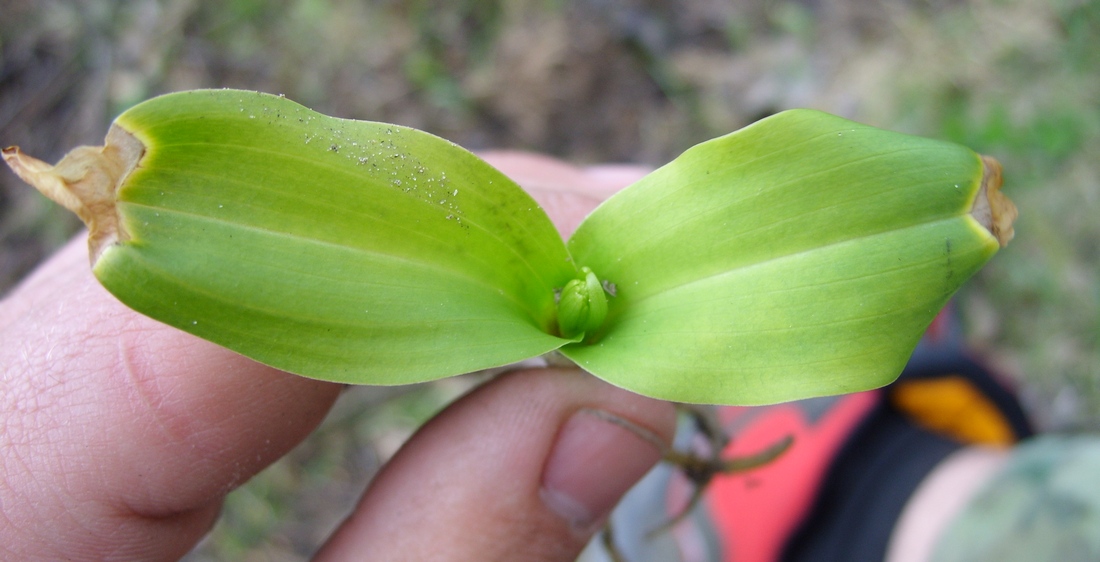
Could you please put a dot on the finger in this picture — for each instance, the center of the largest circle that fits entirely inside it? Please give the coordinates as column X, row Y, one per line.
column 567, row 192
column 525, row 468
column 122, row 433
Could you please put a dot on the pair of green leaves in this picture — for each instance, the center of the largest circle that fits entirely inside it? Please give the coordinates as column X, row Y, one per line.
column 803, row 255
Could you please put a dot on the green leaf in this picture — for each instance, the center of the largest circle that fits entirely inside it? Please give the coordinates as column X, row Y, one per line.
column 801, row 256
column 350, row 251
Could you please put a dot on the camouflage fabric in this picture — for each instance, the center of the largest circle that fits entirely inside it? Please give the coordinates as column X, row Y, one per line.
column 1043, row 505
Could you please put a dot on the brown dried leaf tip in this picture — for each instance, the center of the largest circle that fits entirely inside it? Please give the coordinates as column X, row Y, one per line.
column 991, row 207
column 85, row 182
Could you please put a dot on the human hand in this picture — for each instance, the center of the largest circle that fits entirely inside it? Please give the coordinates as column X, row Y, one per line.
column 119, row 436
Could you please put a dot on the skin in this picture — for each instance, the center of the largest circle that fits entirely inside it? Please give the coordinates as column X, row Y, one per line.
column 120, row 437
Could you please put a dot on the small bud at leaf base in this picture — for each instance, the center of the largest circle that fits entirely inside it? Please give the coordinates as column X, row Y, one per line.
column 583, row 305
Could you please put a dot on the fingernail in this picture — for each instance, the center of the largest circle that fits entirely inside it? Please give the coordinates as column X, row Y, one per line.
column 593, row 463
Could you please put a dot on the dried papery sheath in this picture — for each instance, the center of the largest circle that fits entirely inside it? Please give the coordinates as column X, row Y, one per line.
column 85, row 182
column 991, row 208
column 801, row 256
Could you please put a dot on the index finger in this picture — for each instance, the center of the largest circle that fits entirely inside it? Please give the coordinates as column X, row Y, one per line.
column 568, row 193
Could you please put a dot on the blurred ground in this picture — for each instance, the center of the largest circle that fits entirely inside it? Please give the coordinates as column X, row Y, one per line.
column 594, row 81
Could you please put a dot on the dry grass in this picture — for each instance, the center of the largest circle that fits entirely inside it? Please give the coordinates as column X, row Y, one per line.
column 603, row 81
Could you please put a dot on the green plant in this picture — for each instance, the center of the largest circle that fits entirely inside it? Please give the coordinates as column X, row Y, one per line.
column 803, row 255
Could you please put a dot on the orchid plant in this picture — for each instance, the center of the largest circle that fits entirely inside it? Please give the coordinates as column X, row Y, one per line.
column 803, row 255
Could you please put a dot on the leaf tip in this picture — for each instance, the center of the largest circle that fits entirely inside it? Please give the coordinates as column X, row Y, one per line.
column 991, row 208
column 85, row 182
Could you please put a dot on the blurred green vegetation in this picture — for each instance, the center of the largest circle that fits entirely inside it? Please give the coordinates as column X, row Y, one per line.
column 593, row 81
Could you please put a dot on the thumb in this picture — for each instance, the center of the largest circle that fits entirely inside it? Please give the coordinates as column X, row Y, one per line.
column 526, row 467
